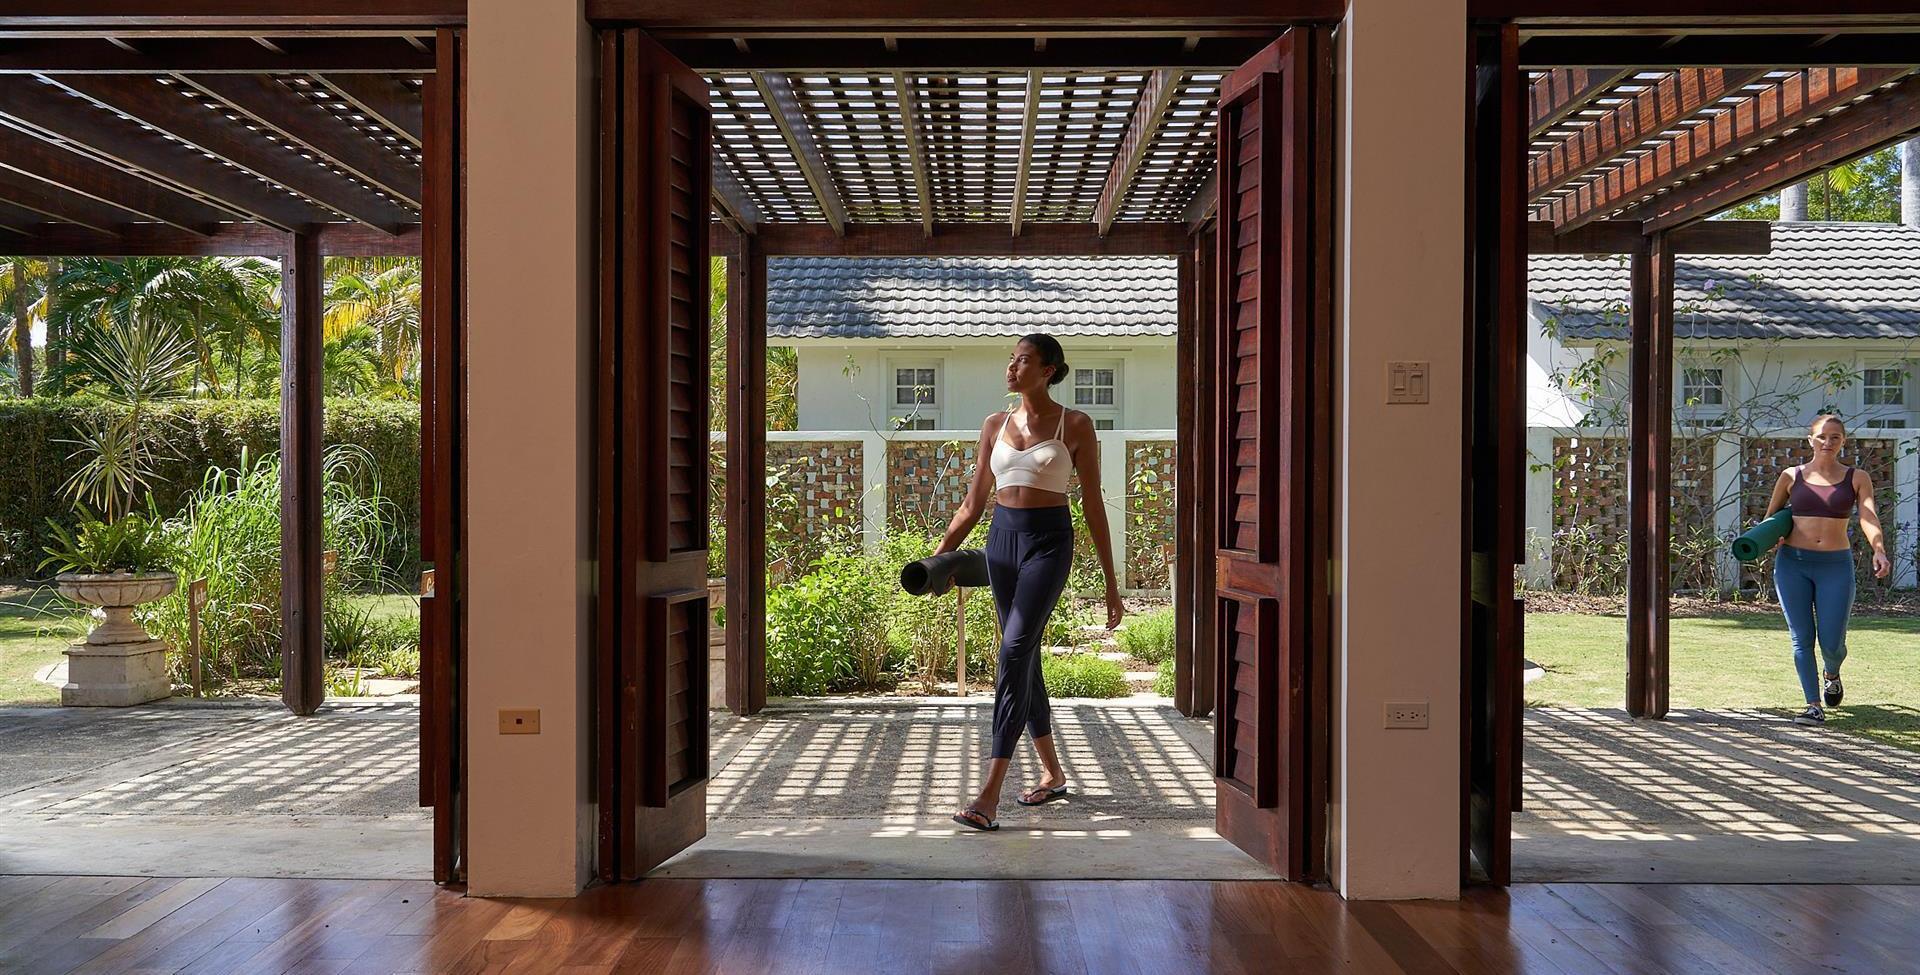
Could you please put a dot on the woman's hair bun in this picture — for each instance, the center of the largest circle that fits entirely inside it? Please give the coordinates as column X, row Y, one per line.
column 1050, row 354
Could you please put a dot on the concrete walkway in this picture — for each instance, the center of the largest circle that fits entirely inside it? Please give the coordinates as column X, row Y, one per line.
column 215, row 789
column 864, row 787
column 1722, row 796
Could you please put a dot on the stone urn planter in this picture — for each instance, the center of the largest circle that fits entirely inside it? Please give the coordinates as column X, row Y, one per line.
column 119, row 663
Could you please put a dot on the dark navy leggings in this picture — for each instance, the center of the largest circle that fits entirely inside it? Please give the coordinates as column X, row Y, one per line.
column 1816, row 594
column 1029, row 552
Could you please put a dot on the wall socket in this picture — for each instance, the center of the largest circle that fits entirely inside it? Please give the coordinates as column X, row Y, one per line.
column 1406, row 714
column 519, row 721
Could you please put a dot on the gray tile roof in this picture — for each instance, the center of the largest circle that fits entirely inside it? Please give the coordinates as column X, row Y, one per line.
column 1822, row 281
column 945, row 297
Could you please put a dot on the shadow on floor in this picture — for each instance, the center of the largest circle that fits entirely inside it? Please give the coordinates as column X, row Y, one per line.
column 1735, row 796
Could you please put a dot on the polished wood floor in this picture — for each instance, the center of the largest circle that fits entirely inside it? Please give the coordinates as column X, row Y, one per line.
column 130, row 924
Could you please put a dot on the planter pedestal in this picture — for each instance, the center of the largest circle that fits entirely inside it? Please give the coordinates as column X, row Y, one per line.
column 116, row 675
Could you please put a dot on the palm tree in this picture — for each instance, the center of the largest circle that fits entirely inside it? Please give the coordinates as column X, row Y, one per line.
column 381, row 295
column 23, row 300
column 217, row 304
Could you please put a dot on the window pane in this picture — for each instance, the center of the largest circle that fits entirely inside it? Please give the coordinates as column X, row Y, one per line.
column 1103, row 396
column 926, row 377
column 903, row 377
column 1082, row 396
column 1083, row 377
column 1103, row 424
column 903, row 396
column 1103, row 377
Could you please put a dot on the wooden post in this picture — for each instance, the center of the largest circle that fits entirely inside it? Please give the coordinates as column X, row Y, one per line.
column 747, row 478
column 302, row 665
column 1649, row 469
column 196, row 601
column 960, row 639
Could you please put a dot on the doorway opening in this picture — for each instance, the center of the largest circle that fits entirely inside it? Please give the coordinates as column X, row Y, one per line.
column 249, row 220
column 1652, row 340
column 931, row 149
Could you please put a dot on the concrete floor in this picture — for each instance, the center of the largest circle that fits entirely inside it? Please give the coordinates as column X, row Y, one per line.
column 215, row 789
column 864, row 787
column 1723, row 796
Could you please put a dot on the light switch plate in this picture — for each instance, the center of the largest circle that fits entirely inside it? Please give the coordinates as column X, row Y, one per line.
column 1407, row 381
column 519, row 721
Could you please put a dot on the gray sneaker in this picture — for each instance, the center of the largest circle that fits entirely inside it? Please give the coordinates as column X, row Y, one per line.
column 1811, row 716
column 1834, row 693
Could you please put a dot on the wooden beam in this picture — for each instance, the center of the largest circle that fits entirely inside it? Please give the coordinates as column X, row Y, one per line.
column 60, row 205
column 732, row 199
column 1156, row 98
column 229, row 240
column 21, row 221
column 213, row 55
column 1563, row 92
column 1029, row 123
column 1656, row 109
column 271, row 104
column 956, row 55
column 87, row 177
column 1888, row 117
column 31, row 103
column 1200, row 209
column 303, row 671
column 791, row 118
column 385, row 99
column 908, row 99
column 1024, row 15
column 263, row 15
column 1649, row 473
column 1624, row 237
column 972, row 239
column 1772, row 112
column 1771, row 51
column 175, row 110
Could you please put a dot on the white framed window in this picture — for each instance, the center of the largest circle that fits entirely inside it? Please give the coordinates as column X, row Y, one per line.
column 1703, row 395
column 914, row 394
column 1096, row 392
column 1886, row 394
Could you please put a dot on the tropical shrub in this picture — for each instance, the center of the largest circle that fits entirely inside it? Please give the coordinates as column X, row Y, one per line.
column 1082, row 675
column 1149, row 636
column 1163, row 679
column 230, row 536
column 135, row 543
column 827, row 630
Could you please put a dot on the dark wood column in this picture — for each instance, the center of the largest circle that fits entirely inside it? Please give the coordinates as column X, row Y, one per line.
column 1649, row 473
column 1194, row 647
column 1185, row 577
column 303, row 679
column 747, row 477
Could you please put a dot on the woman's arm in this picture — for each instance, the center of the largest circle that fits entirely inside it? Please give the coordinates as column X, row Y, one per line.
column 1870, row 524
column 1782, row 487
column 975, row 503
column 1084, row 444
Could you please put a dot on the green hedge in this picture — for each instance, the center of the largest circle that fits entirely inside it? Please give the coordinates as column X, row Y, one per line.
column 194, row 435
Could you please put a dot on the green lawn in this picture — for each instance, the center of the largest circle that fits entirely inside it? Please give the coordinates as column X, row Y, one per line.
column 35, row 625
column 1735, row 661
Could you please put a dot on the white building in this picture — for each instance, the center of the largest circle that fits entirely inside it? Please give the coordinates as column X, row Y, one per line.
column 922, row 343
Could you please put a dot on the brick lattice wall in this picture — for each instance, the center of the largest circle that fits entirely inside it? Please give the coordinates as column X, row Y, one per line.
column 1590, row 491
column 1150, row 508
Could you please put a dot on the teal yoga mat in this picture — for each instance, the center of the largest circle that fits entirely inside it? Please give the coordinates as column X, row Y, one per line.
column 1760, row 539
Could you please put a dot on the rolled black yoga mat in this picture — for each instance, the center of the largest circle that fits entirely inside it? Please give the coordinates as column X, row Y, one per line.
column 965, row 567
column 1760, row 539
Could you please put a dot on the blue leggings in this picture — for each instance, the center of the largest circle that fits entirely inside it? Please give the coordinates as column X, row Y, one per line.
column 1029, row 552
column 1816, row 594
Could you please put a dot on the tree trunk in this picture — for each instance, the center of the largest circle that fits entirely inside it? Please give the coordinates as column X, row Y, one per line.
column 56, row 339
column 22, row 328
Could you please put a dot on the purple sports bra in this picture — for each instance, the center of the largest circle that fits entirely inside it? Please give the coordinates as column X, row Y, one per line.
column 1822, row 500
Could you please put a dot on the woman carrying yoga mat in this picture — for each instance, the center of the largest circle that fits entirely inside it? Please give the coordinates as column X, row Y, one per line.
column 1027, row 455
column 1813, row 573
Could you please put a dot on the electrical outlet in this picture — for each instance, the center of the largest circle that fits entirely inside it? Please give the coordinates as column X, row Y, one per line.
column 1406, row 714
column 519, row 721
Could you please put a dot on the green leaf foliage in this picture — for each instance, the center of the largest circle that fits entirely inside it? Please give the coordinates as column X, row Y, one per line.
column 1082, row 675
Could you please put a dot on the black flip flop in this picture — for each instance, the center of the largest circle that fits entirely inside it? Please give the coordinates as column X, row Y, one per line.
column 961, row 818
column 1057, row 792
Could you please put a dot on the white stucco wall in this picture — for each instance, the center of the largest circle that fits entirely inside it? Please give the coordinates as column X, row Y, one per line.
column 972, row 379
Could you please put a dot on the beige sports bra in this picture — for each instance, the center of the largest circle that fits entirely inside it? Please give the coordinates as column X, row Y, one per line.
column 1046, row 465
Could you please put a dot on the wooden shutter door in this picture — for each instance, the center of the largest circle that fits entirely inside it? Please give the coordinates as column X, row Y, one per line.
column 651, row 612
column 443, row 533
column 1271, row 405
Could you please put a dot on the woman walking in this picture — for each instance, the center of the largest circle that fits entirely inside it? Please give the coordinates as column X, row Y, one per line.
column 1813, row 573
column 1027, row 455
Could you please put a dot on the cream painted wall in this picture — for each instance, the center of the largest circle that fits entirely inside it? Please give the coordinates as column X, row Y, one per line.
column 1397, row 793
column 973, row 380
column 529, row 129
